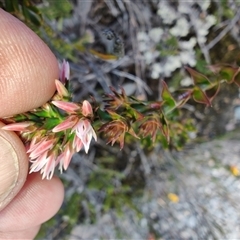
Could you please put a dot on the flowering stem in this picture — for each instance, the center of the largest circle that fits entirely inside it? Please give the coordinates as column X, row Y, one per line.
column 53, row 132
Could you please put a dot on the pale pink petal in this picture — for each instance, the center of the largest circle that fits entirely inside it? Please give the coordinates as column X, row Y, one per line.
column 66, row 106
column 77, row 143
column 66, row 124
column 48, row 170
column 34, row 144
column 59, row 161
column 82, row 127
column 62, row 91
column 18, row 127
column 86, row 108
column 38, row 163
column 42, row 147
column 86, row 142
column 85, row 132
column 64, row 158
column 68, row 153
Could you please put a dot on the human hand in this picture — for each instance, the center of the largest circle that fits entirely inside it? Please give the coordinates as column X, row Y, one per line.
column 27, row 72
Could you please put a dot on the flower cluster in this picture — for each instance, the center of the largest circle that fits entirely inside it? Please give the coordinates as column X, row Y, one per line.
column 54, row 132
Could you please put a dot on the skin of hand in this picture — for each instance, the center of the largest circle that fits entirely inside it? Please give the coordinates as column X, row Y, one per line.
column 27, row 72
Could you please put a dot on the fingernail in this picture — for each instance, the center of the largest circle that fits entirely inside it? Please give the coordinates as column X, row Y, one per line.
column 9, row 169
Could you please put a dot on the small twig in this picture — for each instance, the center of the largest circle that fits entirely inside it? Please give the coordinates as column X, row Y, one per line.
column 133, row 27
column 140, row 83
column 223, row 32
column 124, row 20
column 125, row 61
column 107, row 68
column 99, row 74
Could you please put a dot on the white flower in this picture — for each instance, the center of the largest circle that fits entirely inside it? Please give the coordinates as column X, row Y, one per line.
column 181, row 28
column 188, row 45
column 156, row 34
column 187, row 58
column 167, row 13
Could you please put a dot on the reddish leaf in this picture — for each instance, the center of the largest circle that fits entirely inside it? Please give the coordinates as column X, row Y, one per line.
column 200, row 97
column 237, row 78
column 212, row 92
column 199, row 79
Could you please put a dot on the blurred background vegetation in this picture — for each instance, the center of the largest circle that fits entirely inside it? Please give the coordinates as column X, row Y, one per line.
column 147, row 192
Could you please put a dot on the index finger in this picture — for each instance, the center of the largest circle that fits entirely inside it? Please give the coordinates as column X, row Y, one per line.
column 28, row 68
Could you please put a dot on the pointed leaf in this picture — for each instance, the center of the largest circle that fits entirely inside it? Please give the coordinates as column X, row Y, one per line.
column 200, row 97
column 45, row 111
column 169, row 102
column 133, row 114
column 114, row 115
column 20, row 117
column 164, row 127
column 50, row 123
column 12, row 6
column 199, row 79
column 213, row 91
column 237, row 78
column 228, row 73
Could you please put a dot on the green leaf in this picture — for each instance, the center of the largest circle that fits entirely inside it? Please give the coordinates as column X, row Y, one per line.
column 11, row 6
column 31, row 16
column 56, row 9
column 164, row 127
column 169, row 102
column 228, row 73
column 133, row 114
column 200, row 97
column 26, row 116
column 199, row 79
column 51, row 123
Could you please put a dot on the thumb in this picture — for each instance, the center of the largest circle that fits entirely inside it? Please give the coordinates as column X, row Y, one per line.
column 13, row 170
column 27, row 72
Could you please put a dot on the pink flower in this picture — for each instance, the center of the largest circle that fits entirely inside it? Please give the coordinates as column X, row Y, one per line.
column 62, row 91
column 64, row 72
column 45, row 163
column 38, row 163
column 48, row 169
column 85, row 133
column 66, row 124
column 17, row 127
column 44, row 145
column 43, row 156
column 81, row 126
column 64, row 159
column 77, row 143
column 87, row 109
column 69, row 107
